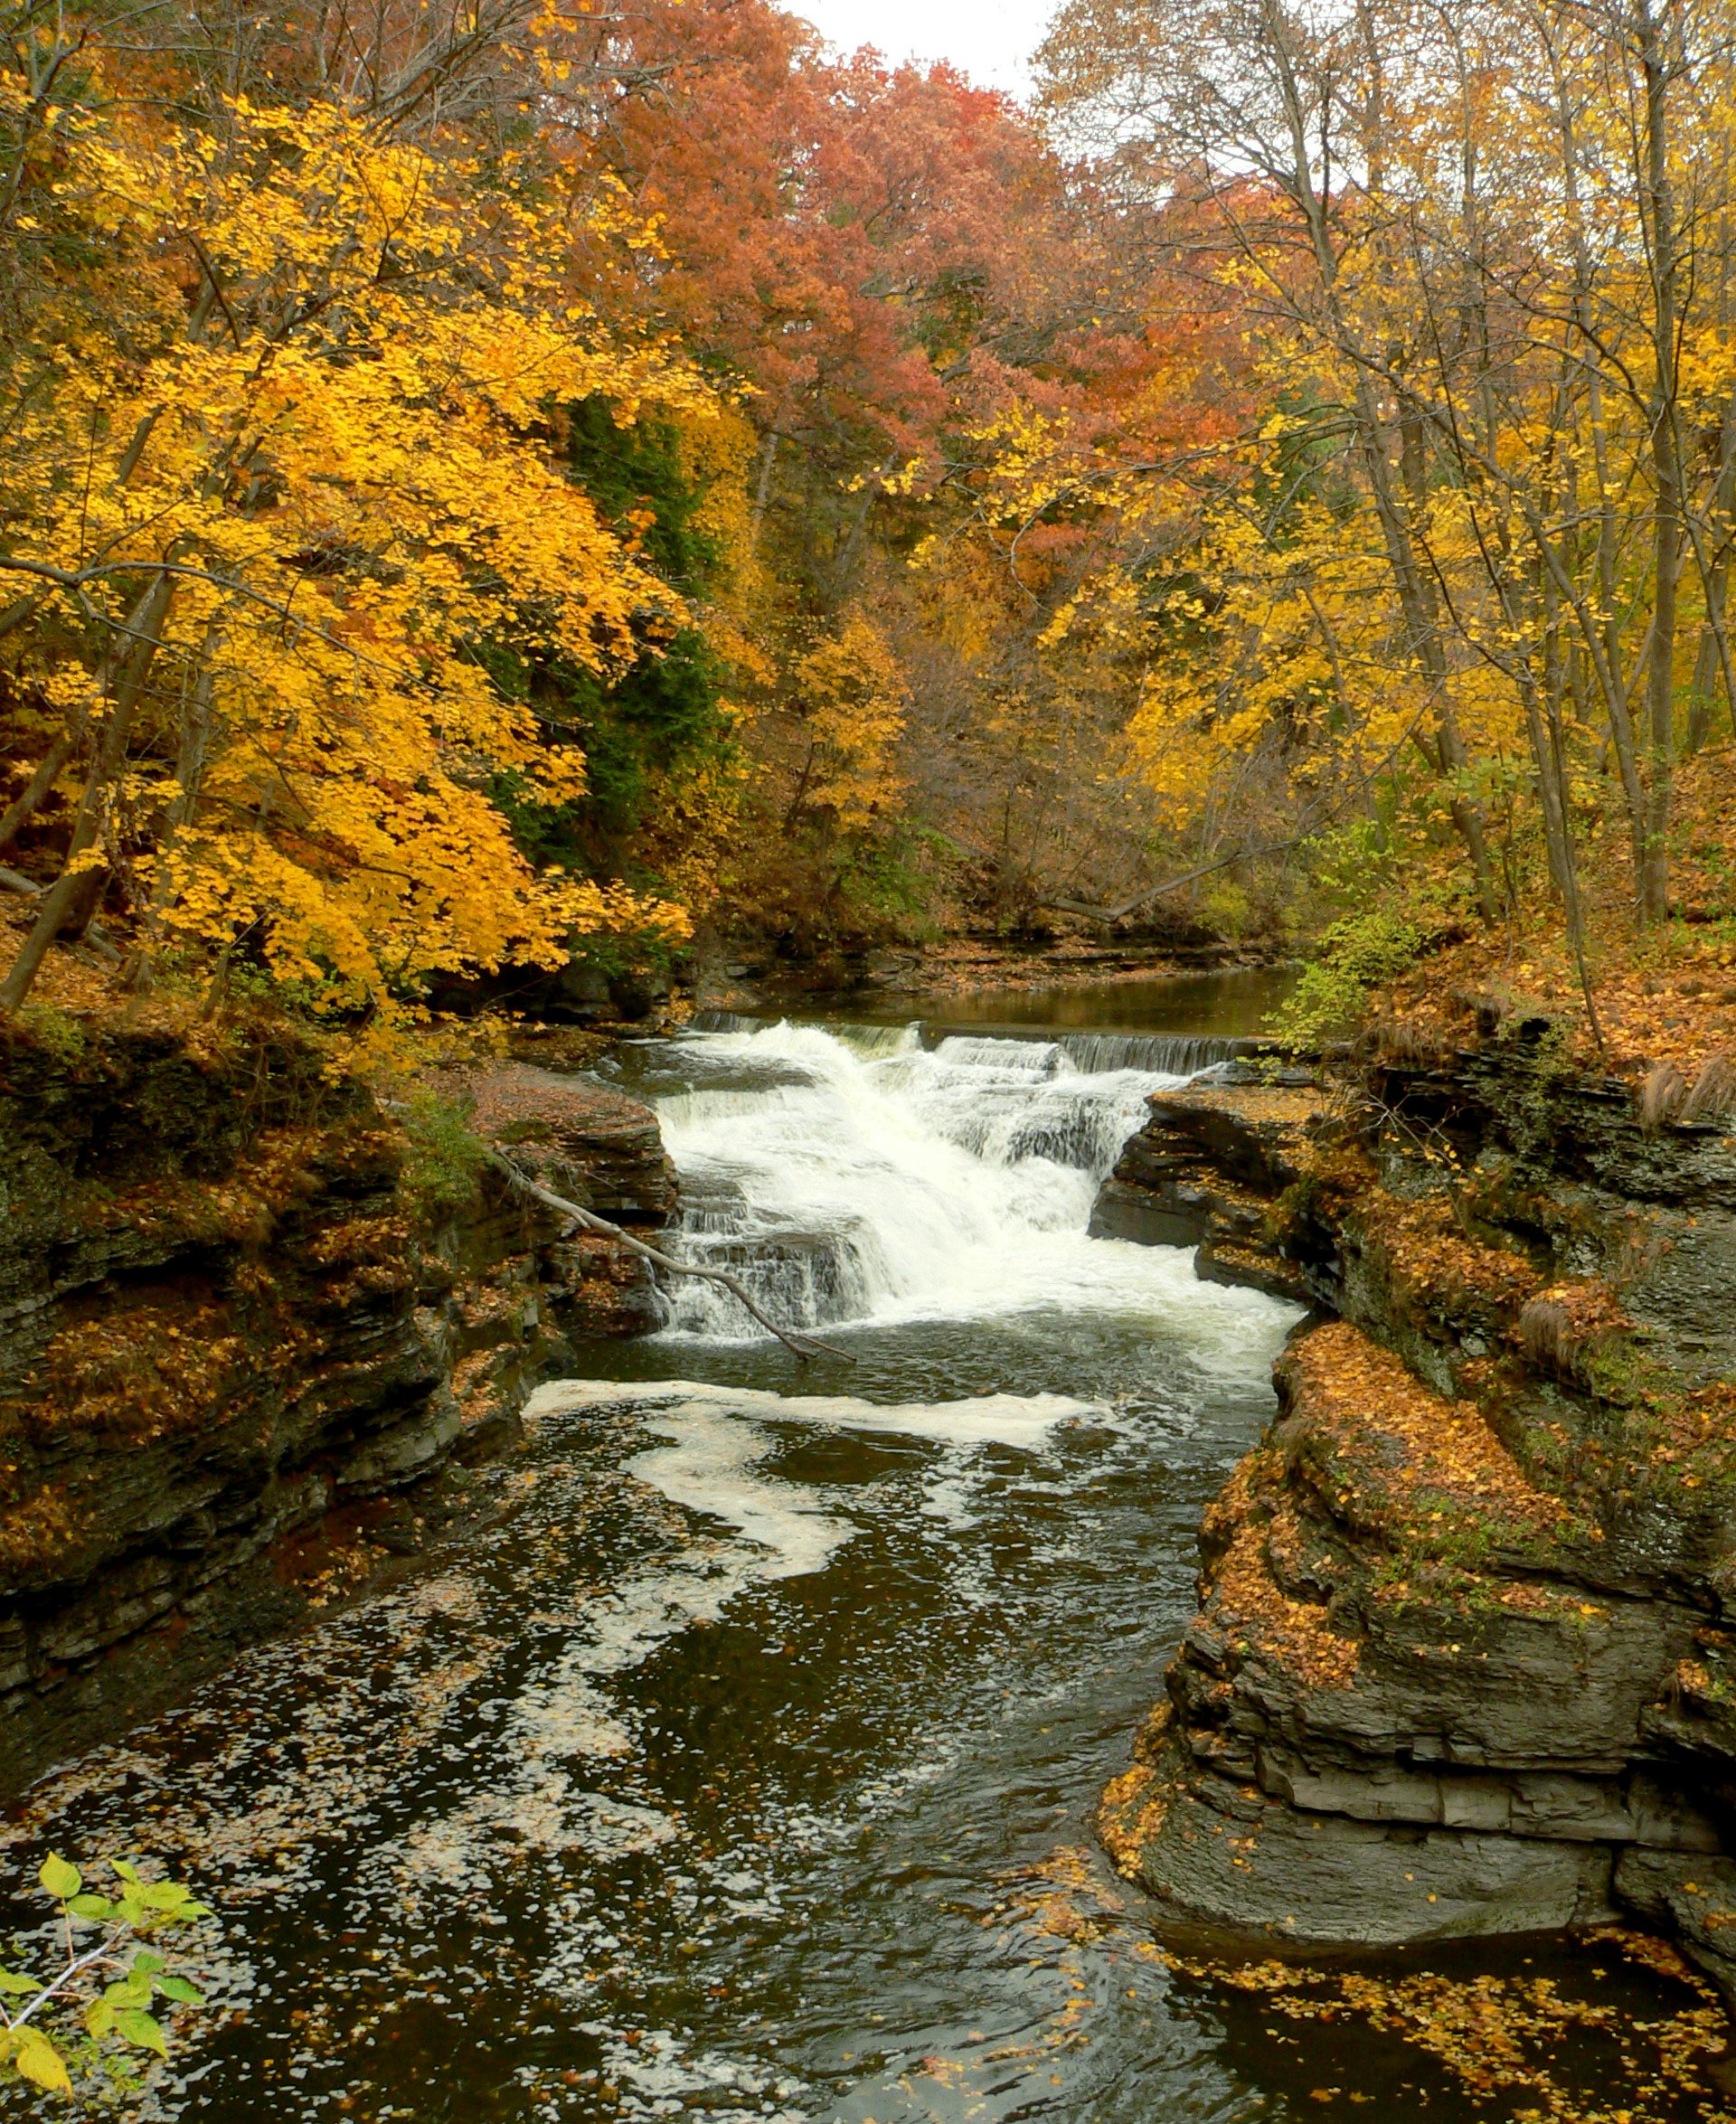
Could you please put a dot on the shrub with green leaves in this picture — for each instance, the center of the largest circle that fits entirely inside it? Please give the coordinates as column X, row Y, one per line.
column 1356, row 954
column 446, row 1155
column 90, row 2025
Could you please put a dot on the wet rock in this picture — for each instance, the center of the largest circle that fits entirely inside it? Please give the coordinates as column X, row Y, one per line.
column 1206, row 1172
column 229, row 1320
column 1321, row 1879
column 1464, row 1660
column 608, row 1145
column 1692, row 1896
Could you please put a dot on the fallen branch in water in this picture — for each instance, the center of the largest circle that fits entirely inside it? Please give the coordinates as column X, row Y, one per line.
column 804, row 1346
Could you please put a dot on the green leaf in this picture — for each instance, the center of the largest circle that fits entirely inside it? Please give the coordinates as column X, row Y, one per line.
column 39, row 2061
column 126, row 1873
column 15, row 1986
column 179, row 1988
column 60, row 1878
column 142, row 2030
column 95, row 1907
column 99, row 2018
column 145, row 1963
column 167, row 1894
column 129, row 1991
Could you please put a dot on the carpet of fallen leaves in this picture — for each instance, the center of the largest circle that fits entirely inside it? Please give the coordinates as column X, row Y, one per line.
column 1430, row 1261
column 1392, row 1456
column 1249, row 1605
column 1520, row 2044
column 1663, row 996
column 1278, row 1105
column 514, row 1102
column 80, row 983
column 1671, row 998
column 75, row 980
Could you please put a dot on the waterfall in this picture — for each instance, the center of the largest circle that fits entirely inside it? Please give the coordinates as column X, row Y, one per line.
column 1164, row 1054
column 1169, row 1054
column 862, row 1174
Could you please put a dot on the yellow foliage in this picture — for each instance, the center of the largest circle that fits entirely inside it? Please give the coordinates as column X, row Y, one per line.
column 854, row 697
column 287, row 482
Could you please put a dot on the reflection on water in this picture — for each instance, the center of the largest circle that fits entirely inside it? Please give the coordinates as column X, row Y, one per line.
column 742, row 1772
column 1234, row 1004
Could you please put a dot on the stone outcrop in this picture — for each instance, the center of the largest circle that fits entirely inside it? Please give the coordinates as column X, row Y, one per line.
column 1206, row 1169
column 1466, row 1660
column 251, row 1324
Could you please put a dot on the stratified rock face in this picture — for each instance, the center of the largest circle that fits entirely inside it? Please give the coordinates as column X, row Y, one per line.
column 1465, row 1661
column 608, row 1145
column 237, row 1313
column 1205, row 1171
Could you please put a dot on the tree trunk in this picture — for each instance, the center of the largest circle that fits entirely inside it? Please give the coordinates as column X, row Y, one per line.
column 1411, row 582
column 1601, row 626
column 1667, row 467
column 1712, row 663
column 65, row 897
column 35, row 792
column 189, row 769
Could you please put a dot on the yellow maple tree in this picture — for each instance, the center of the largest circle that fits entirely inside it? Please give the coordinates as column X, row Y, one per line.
column 852, row 694
column 280, row 475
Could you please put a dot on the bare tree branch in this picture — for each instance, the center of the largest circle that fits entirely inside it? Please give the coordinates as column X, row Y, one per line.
column 804, row 1346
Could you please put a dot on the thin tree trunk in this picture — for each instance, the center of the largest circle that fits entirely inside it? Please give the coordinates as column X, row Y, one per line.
column 35, row 792
column 1667, row 468
column 1602, row 633
column 762, row 490
column 1711, row 662
column 1416, row 602
column 64, row 896
column 1558, row 834
column 189, row 769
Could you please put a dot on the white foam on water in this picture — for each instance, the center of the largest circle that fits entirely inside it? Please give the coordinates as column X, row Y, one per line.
column 704, row 1468
column 975, row 1419
column 566, row 1717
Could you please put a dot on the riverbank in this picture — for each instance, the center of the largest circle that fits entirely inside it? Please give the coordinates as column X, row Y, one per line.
column 709, row 1775
column 741, row 973
column 1460, row 1665
column 733, row 1743
column 255, row 1330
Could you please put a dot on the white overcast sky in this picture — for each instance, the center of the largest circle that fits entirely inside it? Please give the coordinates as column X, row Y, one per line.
column 990, row 39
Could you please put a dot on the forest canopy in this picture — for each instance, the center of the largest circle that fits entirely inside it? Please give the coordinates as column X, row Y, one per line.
column 485, row 484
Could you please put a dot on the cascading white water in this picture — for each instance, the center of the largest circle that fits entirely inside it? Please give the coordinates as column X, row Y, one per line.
column 859, row 1176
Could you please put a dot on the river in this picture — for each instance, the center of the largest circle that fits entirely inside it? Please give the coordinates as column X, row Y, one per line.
column 743, row 1771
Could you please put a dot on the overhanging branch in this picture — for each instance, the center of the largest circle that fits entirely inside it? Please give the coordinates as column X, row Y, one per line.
column 804, row 1346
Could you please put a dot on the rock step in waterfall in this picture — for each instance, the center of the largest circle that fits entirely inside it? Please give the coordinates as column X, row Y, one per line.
column 866, row 1174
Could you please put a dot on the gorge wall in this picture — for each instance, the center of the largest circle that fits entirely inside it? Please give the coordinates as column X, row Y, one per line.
column 1465, row 1659
column 254, row 1331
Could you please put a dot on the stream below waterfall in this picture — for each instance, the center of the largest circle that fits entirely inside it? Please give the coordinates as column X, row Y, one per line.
column 743, row 1771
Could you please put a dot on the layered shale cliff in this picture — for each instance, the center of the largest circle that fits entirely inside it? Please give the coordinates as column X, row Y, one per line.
column 1465, row 1659
column 253, row 1328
